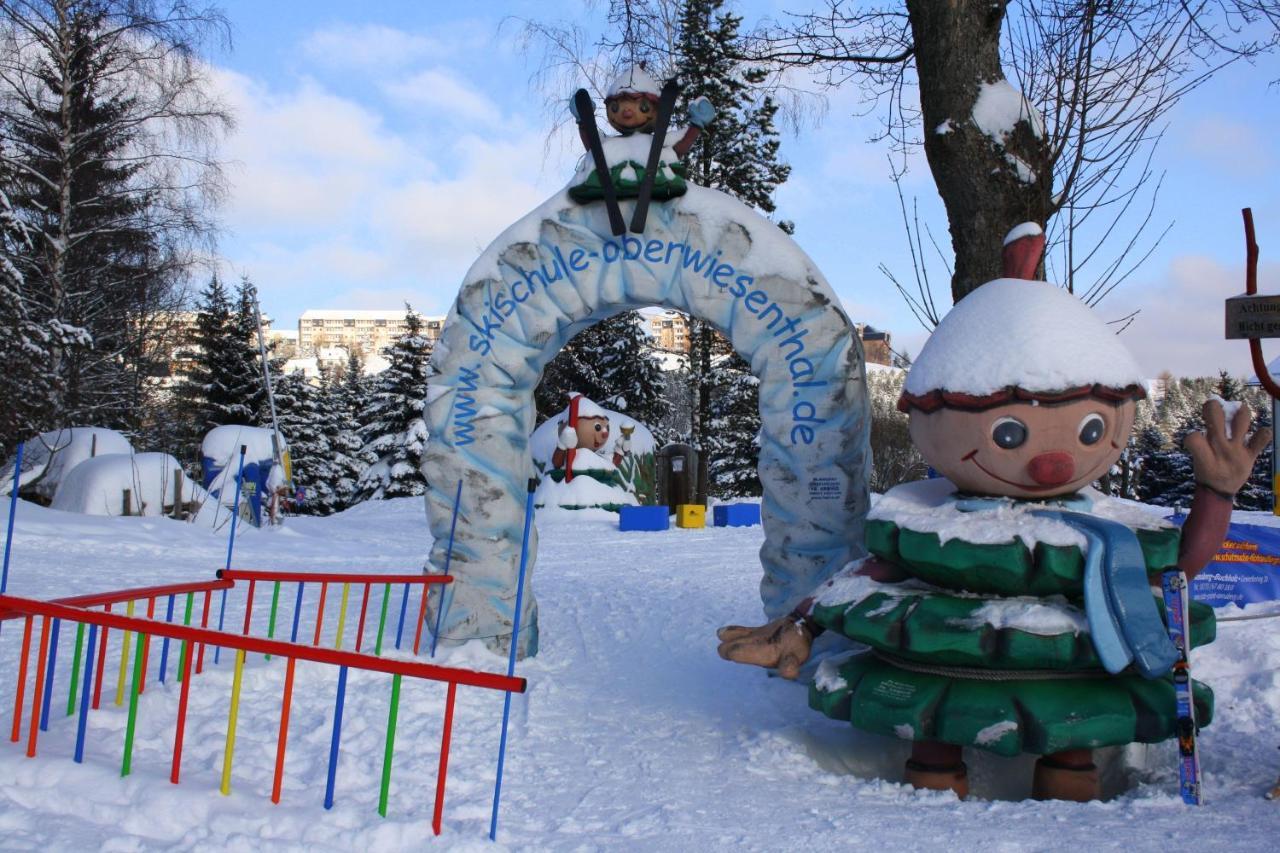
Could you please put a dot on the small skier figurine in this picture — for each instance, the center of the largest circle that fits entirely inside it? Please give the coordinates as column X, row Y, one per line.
column 631, row 106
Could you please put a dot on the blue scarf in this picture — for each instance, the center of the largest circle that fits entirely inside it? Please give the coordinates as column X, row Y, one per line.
column 1124, row 624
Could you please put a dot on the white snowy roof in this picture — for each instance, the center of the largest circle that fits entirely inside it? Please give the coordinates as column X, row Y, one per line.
column 96, row 486
column 222, row 443
column 1026, row 334
column 49, row 456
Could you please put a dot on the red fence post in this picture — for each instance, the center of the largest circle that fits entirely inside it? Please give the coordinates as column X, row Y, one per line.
column 438, row 814
column 36, row 697
column 22, row 680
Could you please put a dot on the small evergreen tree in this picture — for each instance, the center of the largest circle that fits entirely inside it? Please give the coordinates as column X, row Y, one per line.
column 1166, row 477
column 1257, row 493
column 733, row 432
column 343, row 436
column 396, row 434
column 1229, row 388
column 299, row 414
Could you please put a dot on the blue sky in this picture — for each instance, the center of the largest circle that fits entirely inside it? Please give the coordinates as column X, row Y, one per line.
column 380, row 147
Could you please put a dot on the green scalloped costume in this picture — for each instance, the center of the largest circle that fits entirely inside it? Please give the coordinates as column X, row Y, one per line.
column 939, row 670
column 668, row 183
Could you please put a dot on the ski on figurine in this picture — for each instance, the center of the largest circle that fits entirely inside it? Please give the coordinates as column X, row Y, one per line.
column 586, row 111
column 666, row 106
column 1177, row 604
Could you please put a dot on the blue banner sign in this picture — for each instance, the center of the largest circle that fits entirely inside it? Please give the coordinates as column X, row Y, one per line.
column 1246, row 569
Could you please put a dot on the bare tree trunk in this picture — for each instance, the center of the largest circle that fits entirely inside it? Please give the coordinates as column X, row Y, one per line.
column 985, row 190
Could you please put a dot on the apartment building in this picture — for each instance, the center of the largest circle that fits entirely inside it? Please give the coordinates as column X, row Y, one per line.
column 366, row 332
column 670, row 331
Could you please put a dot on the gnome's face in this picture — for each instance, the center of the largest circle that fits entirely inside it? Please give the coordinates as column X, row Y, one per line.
column 1024, row 449
column 592, row 432
column 629, row 113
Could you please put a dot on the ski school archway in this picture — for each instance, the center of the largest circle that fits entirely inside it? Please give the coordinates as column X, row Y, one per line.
column 559, row 270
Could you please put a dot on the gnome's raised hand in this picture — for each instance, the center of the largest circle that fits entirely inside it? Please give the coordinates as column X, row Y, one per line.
column 1223, row 455
column 782, row 644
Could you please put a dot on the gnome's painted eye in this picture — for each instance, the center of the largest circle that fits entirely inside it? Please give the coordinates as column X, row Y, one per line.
column 644, row 107
column 599, row 427
column 1009, row 433
column 1092, row 429
column 613, row 107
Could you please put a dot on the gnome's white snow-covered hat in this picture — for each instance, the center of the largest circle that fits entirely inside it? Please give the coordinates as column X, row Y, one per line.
column 1017, row 339
column 634, row 81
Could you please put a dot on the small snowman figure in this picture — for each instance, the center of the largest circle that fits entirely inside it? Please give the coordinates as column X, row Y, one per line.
column 1007, row 605
column 631, row 107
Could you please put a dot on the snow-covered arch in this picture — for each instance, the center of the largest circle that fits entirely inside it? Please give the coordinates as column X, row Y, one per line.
column 559, row 270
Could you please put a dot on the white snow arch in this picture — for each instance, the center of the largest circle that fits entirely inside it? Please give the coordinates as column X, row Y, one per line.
column 559, row 270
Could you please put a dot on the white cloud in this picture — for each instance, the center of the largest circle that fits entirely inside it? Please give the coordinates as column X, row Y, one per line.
column 440, row 91
column 304, row 157
column 371, row 46
column 1181, row 324
column 1229, row 147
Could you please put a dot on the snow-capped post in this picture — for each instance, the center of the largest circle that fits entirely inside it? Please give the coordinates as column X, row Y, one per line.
column 231, row 544
column 448, row 556
column 1253, row 317
column 13, row 508
column 511, row 660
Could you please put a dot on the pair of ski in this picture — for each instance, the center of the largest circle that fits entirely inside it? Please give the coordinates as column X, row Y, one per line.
column 586, row 110
column 1177, row 606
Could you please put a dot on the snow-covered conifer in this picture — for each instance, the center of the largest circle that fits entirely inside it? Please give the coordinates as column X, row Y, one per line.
column 395, row 434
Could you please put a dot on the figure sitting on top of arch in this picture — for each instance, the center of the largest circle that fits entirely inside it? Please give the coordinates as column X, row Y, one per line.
column 632, row 108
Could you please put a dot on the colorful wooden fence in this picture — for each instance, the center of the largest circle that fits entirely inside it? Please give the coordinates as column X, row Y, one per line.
column 91, row 661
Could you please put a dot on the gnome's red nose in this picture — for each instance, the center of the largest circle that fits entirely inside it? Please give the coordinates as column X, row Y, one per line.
column 1052, row 469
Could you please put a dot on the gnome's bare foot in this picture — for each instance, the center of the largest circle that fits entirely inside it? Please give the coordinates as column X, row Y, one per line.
column 1067, row 775
column 784, row 644
column 937, row 767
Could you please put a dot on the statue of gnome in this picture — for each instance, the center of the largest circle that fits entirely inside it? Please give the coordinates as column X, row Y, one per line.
column 631, row 106
column 585, row 433
column 1008, row 606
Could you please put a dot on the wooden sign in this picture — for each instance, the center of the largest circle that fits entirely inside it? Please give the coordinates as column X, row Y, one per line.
column 1253, row 317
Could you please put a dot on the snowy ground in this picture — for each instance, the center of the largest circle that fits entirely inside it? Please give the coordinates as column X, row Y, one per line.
column 633, row 734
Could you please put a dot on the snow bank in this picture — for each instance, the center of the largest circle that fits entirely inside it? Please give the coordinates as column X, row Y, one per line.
column 49, row 456
column 96, row 486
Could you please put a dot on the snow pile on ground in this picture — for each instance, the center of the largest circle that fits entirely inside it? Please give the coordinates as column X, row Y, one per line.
column 633, row 733
column 48, row 457
column 96, row 486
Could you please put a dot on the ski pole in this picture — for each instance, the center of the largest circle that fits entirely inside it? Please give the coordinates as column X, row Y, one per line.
column 511, row 661
column 448, row 555
column 13, row 507
column 231, row 544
